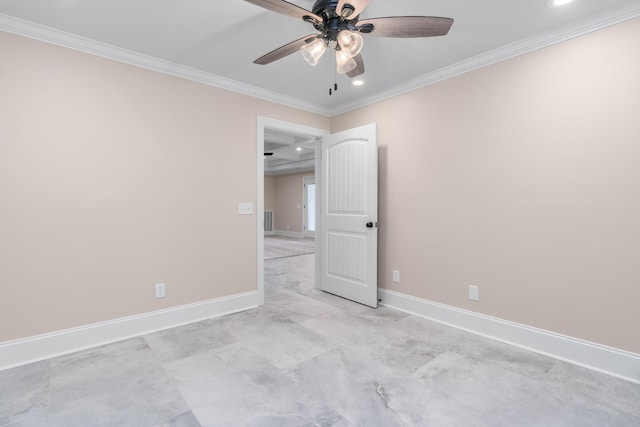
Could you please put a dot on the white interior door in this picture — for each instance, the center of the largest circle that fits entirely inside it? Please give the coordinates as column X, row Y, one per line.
column 348, row 227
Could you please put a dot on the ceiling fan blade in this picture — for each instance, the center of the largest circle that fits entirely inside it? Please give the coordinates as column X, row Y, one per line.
column 408, row 26
column 285, row 8
column 359, row 67
column 285, row 50
column 353, row 8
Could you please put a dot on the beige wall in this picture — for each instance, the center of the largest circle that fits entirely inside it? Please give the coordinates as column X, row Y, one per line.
column 269, row 192
column 288, row 211
column 522, row 178
column 114, row 178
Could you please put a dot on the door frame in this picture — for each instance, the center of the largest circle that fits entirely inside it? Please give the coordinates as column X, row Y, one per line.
column 269, row 123
column 305, row 203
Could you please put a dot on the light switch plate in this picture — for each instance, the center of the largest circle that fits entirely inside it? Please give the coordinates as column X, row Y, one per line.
column 245, row 208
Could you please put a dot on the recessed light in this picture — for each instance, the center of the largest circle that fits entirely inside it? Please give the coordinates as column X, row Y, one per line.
column 557, row 3
column 299, row 149
column 357, row 82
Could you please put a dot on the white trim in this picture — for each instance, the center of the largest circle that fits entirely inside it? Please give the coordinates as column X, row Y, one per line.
column 283, row 126
column 32, row 349
column 616, row 15
column 318, row 237
column 270, row 233
column 260, row 125
column 46, row 34
column 588, row 25
column 612, row 361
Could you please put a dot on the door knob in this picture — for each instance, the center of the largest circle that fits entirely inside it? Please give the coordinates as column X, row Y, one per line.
column 369, row 224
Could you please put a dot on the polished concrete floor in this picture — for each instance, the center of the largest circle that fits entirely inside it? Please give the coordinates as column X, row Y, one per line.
column 307, row 358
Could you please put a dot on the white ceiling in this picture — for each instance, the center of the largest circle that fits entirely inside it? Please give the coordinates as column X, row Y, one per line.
column 292, row 152
column 217, row 41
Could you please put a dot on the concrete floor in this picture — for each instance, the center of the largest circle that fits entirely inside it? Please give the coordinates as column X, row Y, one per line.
column 282, row 247
column 308, row 358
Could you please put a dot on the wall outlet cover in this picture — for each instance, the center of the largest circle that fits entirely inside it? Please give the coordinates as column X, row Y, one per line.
column 474, row 293
column 396, row 276
column 161, row 290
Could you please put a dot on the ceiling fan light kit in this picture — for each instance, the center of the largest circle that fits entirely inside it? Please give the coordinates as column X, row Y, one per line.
column 339, row 26
column 313, row 51
column 344, row 62
column 350, row 42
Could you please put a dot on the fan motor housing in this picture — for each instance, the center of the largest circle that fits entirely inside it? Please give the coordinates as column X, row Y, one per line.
column 332, row 23
column 324, row 5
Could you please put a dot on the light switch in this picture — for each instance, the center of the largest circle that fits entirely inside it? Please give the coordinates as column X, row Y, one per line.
column 245, row 208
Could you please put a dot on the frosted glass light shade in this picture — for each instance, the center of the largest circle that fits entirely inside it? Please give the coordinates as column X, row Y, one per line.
column 344, row 63
column 350, row 42
column 313, row 51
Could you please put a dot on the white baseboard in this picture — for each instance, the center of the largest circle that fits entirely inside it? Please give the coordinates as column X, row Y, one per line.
column 287, row 233
column 270, row 233
column 40, row 347
column 609, row 360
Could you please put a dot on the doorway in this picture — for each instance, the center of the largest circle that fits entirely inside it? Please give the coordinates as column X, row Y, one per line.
column 265, row 125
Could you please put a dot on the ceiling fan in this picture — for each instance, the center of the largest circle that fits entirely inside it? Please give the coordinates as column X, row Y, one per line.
column 339, row 27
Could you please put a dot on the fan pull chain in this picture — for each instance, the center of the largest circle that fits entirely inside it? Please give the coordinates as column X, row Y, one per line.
column 335, row 77
column 335, row 74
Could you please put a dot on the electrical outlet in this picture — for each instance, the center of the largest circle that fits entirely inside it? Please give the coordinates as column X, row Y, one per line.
column 474, row 293
column 396, row 276
column 160, row 290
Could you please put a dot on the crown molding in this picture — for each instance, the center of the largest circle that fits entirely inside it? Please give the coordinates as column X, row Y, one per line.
column 585, row 26
column 46, row 34
column 624, row 12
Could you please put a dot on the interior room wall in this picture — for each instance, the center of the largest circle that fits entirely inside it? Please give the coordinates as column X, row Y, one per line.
column 288, row 212
column 269, row 192
column 521, row 178
column 114, row 178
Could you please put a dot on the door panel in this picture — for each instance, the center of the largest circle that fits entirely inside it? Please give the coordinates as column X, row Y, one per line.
column 349, row 203
column 346, row 175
